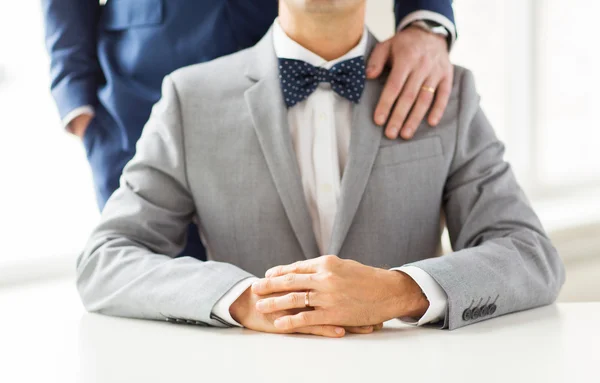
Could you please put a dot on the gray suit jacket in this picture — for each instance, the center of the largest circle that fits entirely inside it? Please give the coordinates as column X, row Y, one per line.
column 217, row 149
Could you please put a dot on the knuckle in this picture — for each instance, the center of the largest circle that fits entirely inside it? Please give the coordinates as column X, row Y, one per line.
column 423, row 95
column 327, row 299
column 294, row 267
column 394, row 88
column 289, row 278
column 302, row 319
column 289, row 323
column 328, row 277
column 413, row 53
column 330, row 260
column 438, row 109
column 426, row 97
column 396, row 118
column 410, row 95
column 378, row 56
column 323, row 276
column 271, row 304
column 320, row 277
column 384, row 108
column 402, row 108
column 443, row 71
column 294, row 300
column 266, row 285
column 410, row 124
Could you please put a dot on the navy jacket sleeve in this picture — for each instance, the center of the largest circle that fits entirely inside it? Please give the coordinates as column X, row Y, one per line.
column 403, row 8
column 71, row 28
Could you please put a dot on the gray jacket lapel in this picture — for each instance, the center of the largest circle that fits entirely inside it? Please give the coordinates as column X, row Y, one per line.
column 364, row 144
column 269, row 116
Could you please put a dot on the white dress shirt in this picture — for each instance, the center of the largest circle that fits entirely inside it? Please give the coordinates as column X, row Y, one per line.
column 320, row 131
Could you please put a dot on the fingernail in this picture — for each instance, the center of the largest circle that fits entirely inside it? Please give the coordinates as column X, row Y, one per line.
column 339, row 330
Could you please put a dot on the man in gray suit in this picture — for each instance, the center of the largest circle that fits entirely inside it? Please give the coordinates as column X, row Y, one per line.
column 273, row 152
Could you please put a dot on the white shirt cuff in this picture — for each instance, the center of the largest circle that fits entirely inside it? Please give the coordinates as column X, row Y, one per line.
column 438, row 300
column 221, row 308
column 86, row 109
column 431, row 16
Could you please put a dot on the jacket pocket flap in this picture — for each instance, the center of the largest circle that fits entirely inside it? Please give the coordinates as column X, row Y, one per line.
column 409, row 151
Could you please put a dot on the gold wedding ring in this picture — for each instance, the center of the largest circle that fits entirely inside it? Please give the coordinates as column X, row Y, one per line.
column 428, row 89
column 306, row 301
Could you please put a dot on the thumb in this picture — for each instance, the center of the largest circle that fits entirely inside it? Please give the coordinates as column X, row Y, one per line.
column 378, row 58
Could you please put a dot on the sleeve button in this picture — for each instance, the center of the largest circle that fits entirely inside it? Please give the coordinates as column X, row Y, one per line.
column 485, row 311
column 466, row 315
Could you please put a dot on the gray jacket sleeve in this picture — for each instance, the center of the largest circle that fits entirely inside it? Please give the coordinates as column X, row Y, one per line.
column 129, row 266
column 503, row 260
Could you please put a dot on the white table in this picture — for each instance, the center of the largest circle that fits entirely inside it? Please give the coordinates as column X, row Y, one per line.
column 45, row 336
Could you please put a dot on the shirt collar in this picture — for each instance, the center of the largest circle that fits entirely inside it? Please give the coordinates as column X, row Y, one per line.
column 287, row 48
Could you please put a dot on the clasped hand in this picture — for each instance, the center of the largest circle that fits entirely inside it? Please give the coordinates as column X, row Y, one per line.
column 343, row 294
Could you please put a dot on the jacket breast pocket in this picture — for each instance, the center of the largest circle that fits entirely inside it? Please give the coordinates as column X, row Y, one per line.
column 125, row 14
column 402, row 151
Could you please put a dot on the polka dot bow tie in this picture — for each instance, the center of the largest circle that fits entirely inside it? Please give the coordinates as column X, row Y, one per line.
column 299, row 79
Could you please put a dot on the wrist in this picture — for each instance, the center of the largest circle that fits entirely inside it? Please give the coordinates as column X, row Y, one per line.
column 440, row 32
column 240, row 308
column 79, row 125
column 410, row 300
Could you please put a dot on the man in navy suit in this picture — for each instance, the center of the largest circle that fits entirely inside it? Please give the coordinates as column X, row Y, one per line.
column 108, row 62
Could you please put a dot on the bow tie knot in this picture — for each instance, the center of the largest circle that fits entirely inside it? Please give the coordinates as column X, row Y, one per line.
column 300, row 79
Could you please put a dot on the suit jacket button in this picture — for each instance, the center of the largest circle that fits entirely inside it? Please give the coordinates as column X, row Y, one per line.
column 466, row 315
column 492, row 309
column 476, row 313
